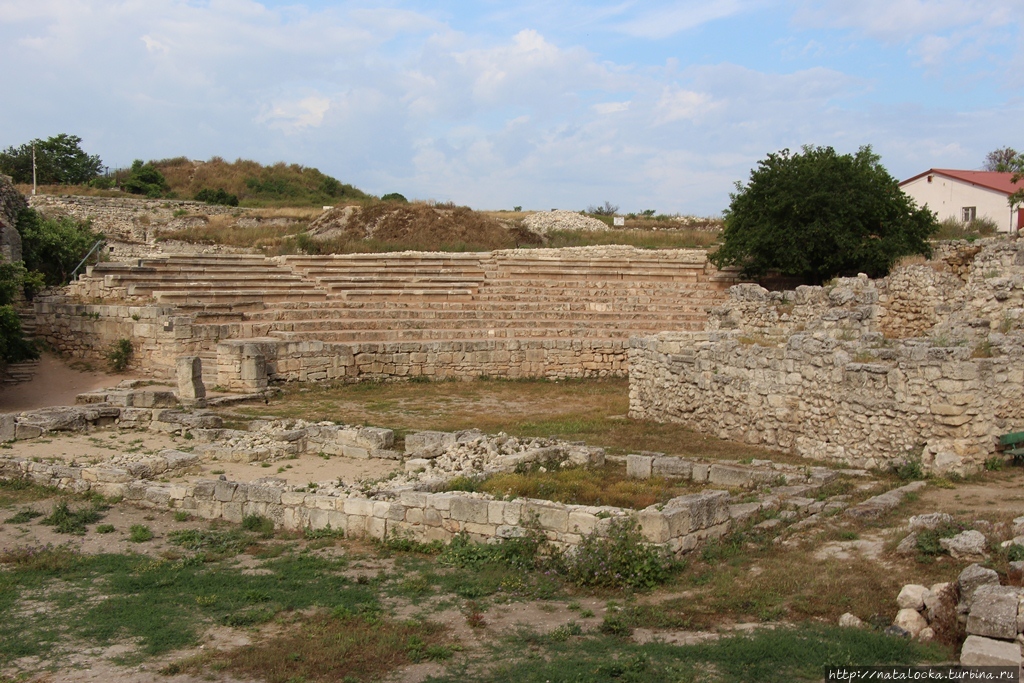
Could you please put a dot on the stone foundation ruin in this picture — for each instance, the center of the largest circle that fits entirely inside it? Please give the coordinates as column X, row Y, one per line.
column 924, row 363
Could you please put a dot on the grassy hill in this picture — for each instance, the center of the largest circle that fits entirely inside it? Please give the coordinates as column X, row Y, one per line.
column 256, row 185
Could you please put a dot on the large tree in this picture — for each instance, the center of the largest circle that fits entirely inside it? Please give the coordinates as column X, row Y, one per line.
column 1000, row 159
column 817, row 214
column 60, row 160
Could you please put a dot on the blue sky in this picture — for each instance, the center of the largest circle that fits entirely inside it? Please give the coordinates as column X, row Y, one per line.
column 648, row 105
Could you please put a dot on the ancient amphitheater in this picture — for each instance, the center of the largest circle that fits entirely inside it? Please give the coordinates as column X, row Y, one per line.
column 543, row 313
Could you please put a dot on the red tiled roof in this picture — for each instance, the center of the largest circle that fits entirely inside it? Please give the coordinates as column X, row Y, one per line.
column 993, row 180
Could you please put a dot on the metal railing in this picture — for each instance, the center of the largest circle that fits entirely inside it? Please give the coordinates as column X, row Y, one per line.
column 82, row 262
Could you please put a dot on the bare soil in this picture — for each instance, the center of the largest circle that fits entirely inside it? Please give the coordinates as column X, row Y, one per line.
column 56, row 383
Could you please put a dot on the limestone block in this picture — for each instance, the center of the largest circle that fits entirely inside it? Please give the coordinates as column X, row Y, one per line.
column 428, row 444
column 414, row 516
column 232, row 512
column 639, row 466
column 911, row 621
column 416, row 465
column 190, row 378
column 912, row 597
column 966, row 544
column 929, row 521
column 293, row 498
column 358, row 507
column 160, row 496
column 653, row 525
column 413, row 498
column 23, row 431
column 672, row 467
column 8, row 427
column 555, row 518
column 994, row 612
column 496, row 512
column 224, row 491
column 973, row 577
column 469, row 510
column 980, row 651
column 432, row 517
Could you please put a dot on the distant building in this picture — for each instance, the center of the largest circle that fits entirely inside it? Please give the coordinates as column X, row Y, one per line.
column 966, row 195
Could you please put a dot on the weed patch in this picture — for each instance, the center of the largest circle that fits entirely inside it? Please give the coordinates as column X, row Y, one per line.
column 64, row 520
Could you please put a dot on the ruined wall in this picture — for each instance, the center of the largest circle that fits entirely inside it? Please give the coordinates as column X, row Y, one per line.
column 680, row 525
column 925, row 362
column 238, row 361
column 828, row 399
column 158, row 334
column 11, row 203
column 130, row 219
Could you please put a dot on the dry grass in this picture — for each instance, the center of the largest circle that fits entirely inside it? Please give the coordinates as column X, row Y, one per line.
column 593, row 411
column 606, row 485
column 223, row 229
column 642, row 239
column 329, row 648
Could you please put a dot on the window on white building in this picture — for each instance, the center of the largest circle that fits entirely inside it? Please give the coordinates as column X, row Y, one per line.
column 969, row 213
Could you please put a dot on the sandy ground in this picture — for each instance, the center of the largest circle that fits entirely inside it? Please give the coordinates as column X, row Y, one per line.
column 54, row 384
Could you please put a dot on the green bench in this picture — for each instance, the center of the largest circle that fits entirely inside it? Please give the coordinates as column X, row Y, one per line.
column 1013, row 444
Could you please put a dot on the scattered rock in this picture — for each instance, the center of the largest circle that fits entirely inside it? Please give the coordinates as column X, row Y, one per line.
column 965, row 545
column 908, row 546
column 850, row 621
column 910, row 621
column 912, row 597
column 930, row 521
column 994, row 612
column 880, row 504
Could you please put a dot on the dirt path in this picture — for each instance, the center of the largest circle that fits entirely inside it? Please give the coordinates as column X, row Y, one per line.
column 54, row 384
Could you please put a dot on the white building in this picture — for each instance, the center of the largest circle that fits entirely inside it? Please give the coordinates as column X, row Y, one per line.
column 966, row 195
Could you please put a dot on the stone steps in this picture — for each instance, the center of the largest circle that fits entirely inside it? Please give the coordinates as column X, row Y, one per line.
column 16, row 373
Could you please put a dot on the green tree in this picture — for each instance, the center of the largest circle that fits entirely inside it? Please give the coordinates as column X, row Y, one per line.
column 60, row 160
column 1000, row 159
column 144, row 178
column 818, row 214
column 53, row 246
column 13, row 345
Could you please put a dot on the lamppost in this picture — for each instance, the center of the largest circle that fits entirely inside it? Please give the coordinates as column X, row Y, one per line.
column 33, row 170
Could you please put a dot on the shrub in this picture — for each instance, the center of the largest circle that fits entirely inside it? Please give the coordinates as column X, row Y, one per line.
column 53, row 246
column 144, row 178
column 818, row 214
column 394, row 197
column 68, row 521
column 258, row 524
column 619, row 559
column 140, row 533
column 909, row 469
column 120, row 355
column 218, row 196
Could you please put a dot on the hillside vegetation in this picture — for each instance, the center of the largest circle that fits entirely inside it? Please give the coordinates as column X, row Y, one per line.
column 254, row 184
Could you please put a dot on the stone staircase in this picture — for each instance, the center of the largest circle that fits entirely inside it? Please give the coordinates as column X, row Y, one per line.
column 572, row 294
column 16, row 373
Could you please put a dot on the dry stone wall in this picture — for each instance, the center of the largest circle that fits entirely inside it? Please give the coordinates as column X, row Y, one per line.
column 845, row 372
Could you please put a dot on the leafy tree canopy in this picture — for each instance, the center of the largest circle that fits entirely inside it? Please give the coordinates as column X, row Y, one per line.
column 1000, row 159
column 53, row 247
column 817, row 214
column 144, row 178
column 60, row 160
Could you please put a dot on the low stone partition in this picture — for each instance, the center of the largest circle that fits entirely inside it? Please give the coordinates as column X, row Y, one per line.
column 727, row 474
column 249, row 364
column 679, row 525
column 865, row 403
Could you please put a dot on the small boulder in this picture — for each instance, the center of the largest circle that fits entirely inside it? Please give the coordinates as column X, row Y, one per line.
column 850, row 621
column 908, row 546
column 1018, row 526
column 966, row 544
column 910, row 621
column 930, row 521
column 926, row 635
column 912, row 597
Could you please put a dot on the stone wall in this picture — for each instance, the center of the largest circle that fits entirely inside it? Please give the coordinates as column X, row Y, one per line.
column 131, row 219
column 681, row 525
column 158, row 334
column 248, row 364
column 825, row 398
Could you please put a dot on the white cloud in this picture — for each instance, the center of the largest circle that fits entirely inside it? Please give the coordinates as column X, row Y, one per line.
column 677, row 104
column 610, row 107
column 676, row 17
column 296, row 115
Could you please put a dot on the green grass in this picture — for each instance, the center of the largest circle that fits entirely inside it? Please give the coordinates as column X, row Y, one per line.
column 158, row 604
column 606, row 485
column 139, row 533
column 590, row 410
column 767, row 656
column 23, row 516
column 64, row 520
